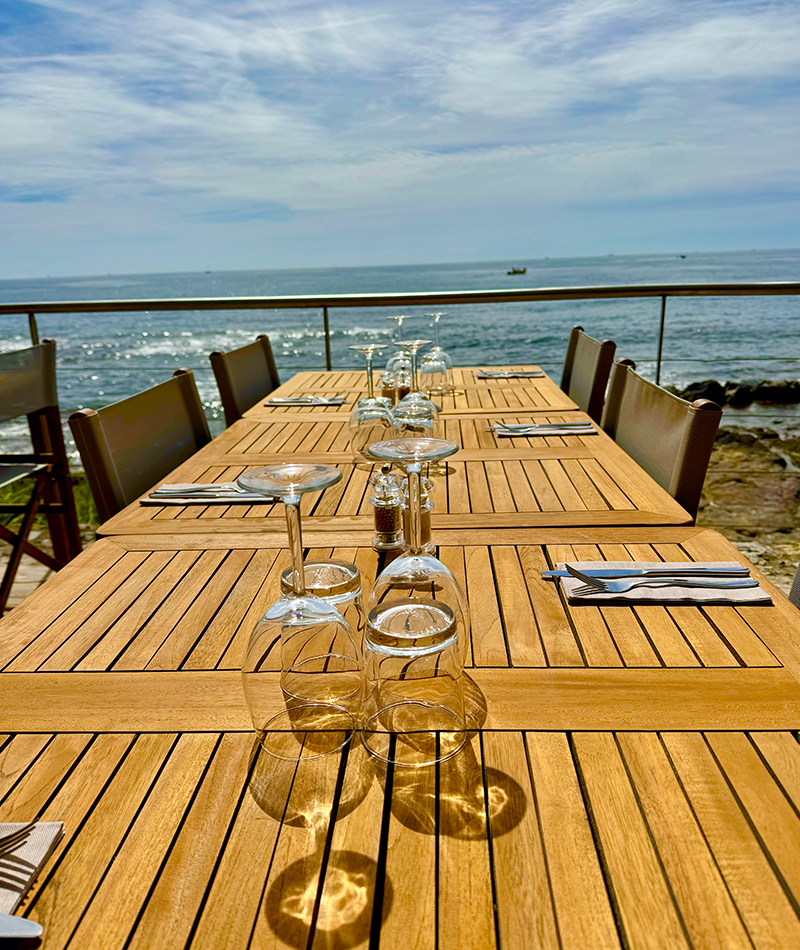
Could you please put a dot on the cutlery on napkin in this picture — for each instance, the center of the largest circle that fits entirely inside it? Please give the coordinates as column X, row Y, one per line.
column 336, row 400
column 21, row 864
column 700, row 587
column 520, row 430
column 224, row 493
column 508, row 373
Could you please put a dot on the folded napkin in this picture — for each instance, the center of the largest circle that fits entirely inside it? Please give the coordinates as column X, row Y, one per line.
column 306, row 401
column 225, row 493
column 508, row 373
column 663, row 595
column 20, row 868
column 525, row 431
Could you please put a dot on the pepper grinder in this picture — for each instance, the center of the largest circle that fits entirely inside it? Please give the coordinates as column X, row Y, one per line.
column 388, row 504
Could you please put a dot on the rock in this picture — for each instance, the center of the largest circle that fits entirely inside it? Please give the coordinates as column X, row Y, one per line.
column 673, row 389
column 707, row 389
column 780, row 391
column 738, row 395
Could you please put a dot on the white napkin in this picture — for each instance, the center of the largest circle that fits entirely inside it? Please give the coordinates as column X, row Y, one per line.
column 508, row 373
column 514, row 431
column 20, row 868
column 662, row 595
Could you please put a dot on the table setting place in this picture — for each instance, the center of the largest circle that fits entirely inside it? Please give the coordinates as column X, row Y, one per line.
column 24, row 849
column 509, row 374
column 222, row 493
column 657, row 582
column 337, row 399
column 525, row 430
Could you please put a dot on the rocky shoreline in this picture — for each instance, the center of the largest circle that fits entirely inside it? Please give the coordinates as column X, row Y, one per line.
column 752, row 496
column 740, row 395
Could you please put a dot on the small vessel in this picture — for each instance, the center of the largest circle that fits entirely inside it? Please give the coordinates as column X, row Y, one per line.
column 518, row 270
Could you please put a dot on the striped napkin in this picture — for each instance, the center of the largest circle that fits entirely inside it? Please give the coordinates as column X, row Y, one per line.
column 20, row 868
column 667, row 596
column 508, row 373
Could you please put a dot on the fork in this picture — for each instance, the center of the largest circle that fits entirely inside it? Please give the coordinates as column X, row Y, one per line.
column 14, row 839
column 596, row 585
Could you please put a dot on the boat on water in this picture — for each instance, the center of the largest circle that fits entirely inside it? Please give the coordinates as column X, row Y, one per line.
column 518, row 270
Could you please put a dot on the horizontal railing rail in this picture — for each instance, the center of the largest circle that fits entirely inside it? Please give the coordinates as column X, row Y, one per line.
column 415, row 299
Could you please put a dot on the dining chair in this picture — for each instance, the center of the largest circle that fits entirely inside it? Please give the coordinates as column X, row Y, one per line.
column 28, row 388
column 586, row 369
column 129, row 446
column 244, row 376
column 670, row 438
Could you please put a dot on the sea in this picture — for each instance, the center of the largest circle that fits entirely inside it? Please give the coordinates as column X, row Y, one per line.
column 104, row 357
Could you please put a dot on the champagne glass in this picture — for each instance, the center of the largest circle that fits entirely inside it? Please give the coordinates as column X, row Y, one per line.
column 320, row 655
column 417, row 625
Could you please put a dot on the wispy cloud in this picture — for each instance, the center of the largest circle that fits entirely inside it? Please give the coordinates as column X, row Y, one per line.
column 249, row 111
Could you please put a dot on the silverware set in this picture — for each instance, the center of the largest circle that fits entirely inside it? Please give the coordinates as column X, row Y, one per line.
column 592, row 584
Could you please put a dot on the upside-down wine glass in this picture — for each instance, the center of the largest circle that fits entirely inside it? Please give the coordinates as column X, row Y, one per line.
column 415, row 397
column 417, row 625
column 368, row 350
column 437, row 355
column 319, row 653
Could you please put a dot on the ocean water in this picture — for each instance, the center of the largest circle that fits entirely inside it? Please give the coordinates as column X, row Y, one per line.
column 104, row 357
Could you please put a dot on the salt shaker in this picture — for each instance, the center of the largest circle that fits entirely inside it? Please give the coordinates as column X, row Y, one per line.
column 388, row 504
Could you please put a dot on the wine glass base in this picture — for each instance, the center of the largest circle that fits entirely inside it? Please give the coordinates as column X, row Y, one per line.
column 413, row 734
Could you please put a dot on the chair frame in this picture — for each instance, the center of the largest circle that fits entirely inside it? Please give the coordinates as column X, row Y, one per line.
column 51, row 495
column 603, row 355
column 234, row 407
column 700, row 423
column 108, row 489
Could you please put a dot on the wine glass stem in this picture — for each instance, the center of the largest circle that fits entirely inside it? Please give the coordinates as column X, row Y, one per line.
column 414, row 503
column 292, row 508
column 414, row 380
column 370, row 389
column 436, row 331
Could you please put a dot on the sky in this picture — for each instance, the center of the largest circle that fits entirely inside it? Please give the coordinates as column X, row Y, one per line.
column 179, row 135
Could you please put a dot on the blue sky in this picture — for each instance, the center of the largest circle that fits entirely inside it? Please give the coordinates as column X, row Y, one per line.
column 160, row 135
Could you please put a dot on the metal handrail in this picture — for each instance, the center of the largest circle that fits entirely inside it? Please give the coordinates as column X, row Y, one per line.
column 424, row 298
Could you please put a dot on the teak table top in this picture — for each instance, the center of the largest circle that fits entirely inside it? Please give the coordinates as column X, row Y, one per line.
column 471, row 394
column 570, row 480
column 631, row 781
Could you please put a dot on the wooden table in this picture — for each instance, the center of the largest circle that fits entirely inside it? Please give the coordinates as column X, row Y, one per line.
column 471, row 393
column 633, row 780
column 492, row 481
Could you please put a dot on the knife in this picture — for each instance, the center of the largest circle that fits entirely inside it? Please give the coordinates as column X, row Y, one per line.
column 689, row 571
column 19, row 927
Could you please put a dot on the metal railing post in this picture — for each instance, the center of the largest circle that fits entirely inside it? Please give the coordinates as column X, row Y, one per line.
column 661, row 338
column 327, row 338
column 34, row 330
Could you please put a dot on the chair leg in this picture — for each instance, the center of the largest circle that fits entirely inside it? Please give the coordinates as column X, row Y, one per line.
column 22, row 536
column 47, row 436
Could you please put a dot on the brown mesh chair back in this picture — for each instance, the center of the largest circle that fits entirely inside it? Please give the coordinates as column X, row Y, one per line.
column 669, row 437
column 28, row 387
column 129, row 446
column 244, row 376
column 586, row 369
